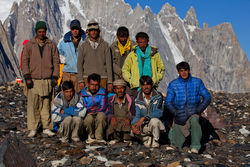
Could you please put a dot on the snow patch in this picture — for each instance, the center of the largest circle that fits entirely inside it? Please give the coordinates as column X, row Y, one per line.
column 170, row 28
column 191, row 28
column 175, row 51
column 189, row 44
column 66, row 13
column 59, row 162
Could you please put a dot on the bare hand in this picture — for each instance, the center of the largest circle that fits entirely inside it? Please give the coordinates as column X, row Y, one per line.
column 81, row 85
column 113, row 122
column 110, row 86
column 136, row 129
column 62, row 111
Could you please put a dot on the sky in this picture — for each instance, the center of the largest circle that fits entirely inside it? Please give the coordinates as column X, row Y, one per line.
column 213, row 12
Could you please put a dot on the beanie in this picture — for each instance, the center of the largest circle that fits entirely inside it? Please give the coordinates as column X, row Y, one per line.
column 75, row 23
column 41, row 25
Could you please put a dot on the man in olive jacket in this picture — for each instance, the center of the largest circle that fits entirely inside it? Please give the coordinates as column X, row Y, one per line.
column 40, row 70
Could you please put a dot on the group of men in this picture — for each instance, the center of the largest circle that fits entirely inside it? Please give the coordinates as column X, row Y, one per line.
column 108, row 91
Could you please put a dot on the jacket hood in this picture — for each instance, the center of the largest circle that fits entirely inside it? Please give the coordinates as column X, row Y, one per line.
column 140, row 95
column 67, row 36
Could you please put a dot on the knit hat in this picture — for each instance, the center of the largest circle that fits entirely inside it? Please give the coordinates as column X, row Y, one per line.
column 75, row 23
column 119, row 82
column 93, row 24
column 41, row 25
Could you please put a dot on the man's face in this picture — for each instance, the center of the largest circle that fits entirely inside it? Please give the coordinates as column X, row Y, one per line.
column 75, row 31
column 142, row 43
column 123, row 39
column 93, row 33
column 41, row 34
column 146, row 88
column 184, row 73
column 120, row 91
column 93, row 86
column 68, row 94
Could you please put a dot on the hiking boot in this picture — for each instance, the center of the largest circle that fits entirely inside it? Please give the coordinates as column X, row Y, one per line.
column 155, row 144
column 48, row 132
column 100, row 141
column 194, row 150
column 32, row 133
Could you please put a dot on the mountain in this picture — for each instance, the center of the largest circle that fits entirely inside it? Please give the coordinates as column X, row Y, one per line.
column 9, row 68
column 214, row 53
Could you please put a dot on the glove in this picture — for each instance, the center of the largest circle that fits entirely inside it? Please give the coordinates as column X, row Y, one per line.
column 54, row 81
column 28, row 81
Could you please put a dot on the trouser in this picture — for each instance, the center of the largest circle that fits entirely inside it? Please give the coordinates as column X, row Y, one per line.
column 71, row 127
column 95, row 125
column 103, row 82
column 38, row 107
column 71, row 77
column 152, row 130
column 177, row 138
column 119, row 135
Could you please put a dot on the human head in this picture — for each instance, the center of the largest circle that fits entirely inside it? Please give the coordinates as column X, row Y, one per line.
column 120, row 88
column 142, row 39
column 94, row 83
column 41, row 29
column 68, row 90
column 122, row 35
column 183, row 69
column 75, row 27
column 93, row 29
column 146, row 84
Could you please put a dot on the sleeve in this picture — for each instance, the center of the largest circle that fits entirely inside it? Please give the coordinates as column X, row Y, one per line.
column 157, row 109
column 170, row 100
column 80, row 110
column 55, row 61
column 160, row 67
column 56, row 115
column 104, row 105
column 137, row 114
column 26, row 59
column 80, row 62
column 126, row 68
column 61, row 52
column 109, row 64
column 206, row 97
column 116, row 68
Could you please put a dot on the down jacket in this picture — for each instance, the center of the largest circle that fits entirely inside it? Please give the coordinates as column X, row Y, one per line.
column 183, row 98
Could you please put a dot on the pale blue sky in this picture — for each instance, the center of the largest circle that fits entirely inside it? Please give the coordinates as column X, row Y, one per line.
column 213, row 12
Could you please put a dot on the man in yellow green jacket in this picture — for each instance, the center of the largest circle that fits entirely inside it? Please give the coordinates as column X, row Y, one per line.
column 142, row 60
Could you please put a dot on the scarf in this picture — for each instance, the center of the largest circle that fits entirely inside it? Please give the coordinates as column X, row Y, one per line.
column 146, row 69
column 122, row 48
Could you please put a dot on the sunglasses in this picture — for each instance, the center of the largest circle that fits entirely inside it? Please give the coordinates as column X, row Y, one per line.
column 92, row 24
column 75, row 28
column 92, row 29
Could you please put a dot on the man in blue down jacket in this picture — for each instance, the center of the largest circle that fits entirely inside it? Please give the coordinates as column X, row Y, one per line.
column 68, row 50
column 184, row 102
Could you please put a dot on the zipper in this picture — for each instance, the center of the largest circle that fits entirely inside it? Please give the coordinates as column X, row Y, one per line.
column 186, row 99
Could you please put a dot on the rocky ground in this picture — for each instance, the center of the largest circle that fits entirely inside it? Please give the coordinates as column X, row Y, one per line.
column 232, row 150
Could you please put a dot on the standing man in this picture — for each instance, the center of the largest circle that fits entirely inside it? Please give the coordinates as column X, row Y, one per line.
column 68, row 51
column 146, row 124
column 119, row 50
column 183, row 101
column 40, row 70
column 95, row 100
column 94, row 57
column 67, row 113
column 121, row 113
column 143, row 60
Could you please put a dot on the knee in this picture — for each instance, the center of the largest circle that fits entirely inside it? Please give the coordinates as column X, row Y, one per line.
column 195, row 121
column 101, row 116
column 77, row 120
column 154, row 122
column 88, row 120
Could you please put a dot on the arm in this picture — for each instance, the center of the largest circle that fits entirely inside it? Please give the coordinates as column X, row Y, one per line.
column 26, row 60
column 80, row 62
column 108, row 64
column 57, row 107
column 137, row 115
column 170, row 100
column 62, row 55
column 160, row 67
column 206, row 97
column 126, row 68
column 55, row 61
column 157, row 109
column 80, row 110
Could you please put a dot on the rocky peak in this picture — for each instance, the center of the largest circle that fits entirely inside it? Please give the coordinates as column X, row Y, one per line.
column 167, row 9
column 190, row 18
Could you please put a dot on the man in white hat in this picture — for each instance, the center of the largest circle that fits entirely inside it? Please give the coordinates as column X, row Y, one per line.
column 94, row 57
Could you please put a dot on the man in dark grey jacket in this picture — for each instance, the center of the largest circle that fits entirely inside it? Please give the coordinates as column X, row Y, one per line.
column 94, row 57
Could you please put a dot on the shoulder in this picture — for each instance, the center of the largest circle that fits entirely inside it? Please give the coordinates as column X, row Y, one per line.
column 114, row 45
